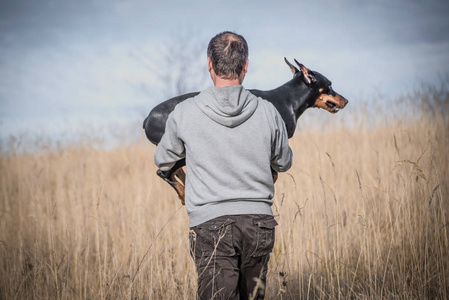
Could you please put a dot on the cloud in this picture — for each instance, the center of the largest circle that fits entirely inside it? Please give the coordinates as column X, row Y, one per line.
column 72, row 59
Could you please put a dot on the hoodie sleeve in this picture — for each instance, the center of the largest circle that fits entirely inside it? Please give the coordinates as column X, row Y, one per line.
column 281, row 154
column 171, row 148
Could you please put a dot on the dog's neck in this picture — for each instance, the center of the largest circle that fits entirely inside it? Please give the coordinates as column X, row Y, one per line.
column 298, row 95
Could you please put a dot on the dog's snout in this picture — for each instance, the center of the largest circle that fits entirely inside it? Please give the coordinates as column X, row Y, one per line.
column 343, row 101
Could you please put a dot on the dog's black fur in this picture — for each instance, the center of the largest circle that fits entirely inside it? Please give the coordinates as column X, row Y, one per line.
column 306, row 89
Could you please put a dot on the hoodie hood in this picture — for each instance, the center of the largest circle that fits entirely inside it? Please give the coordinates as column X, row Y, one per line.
column 229, row 106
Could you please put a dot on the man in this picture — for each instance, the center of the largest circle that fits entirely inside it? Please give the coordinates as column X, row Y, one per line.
column 231, row 140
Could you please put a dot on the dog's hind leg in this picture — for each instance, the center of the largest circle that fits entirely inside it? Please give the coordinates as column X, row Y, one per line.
column 179, row 173
column 174, row 183
column 179, row 186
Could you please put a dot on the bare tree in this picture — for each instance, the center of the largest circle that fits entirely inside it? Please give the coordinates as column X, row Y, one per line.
column 181, row 66
column 185, row 68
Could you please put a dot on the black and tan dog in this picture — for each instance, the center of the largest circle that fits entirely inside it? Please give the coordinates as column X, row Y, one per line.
column 306, row 89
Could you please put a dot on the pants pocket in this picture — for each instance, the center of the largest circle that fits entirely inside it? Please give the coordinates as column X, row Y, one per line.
column 215, row 237
column 264, row 238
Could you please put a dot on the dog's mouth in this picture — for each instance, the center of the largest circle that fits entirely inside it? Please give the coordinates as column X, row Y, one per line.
column 332, row 106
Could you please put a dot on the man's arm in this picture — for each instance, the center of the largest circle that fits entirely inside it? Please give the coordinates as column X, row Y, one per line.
column 170, row 149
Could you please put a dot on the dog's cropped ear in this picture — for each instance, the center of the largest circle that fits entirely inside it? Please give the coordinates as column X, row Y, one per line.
column 292, row 67
column 308, row 76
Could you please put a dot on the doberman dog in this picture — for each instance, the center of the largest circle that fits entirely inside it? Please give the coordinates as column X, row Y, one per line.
column 306, row 89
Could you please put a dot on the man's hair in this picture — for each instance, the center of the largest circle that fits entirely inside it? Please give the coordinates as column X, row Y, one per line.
column 228, row 53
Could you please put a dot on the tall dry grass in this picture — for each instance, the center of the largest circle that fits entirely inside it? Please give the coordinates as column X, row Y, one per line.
column 363, row 214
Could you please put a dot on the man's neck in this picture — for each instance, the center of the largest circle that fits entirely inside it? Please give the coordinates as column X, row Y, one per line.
column 220, row 82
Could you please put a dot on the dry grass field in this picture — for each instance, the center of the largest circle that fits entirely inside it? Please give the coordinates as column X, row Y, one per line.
column 363, row 214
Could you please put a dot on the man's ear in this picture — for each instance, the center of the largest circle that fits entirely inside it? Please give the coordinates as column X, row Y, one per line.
column 209, row 64
column 245, row 68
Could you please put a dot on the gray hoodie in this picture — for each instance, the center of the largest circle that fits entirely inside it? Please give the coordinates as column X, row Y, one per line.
column 231, row 139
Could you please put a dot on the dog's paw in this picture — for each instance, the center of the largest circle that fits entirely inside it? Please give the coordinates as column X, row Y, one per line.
column 163, row 174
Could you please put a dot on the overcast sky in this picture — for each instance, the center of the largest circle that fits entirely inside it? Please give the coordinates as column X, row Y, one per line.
column 69, row 66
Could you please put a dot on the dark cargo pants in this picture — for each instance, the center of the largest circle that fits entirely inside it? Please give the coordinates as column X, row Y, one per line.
column 231, row 255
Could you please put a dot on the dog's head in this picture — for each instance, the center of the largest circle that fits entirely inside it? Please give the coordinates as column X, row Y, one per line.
column 323, row 96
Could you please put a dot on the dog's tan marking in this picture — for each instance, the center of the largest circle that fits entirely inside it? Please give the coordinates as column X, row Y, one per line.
column 337, row 100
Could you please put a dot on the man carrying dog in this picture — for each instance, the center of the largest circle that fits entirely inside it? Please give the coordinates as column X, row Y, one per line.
column 234, row 143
